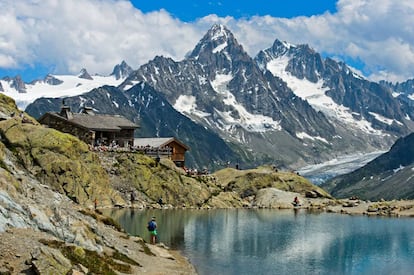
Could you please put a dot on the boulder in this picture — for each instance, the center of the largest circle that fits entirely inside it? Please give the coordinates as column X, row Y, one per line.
column 46, row 260
column 311, row 194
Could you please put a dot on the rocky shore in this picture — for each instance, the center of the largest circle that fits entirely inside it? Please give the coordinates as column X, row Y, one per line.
column 44, row 232
column 47, row 233
column 273, row 198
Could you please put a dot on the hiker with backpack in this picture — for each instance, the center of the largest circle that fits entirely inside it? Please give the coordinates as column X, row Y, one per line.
column 152, row 228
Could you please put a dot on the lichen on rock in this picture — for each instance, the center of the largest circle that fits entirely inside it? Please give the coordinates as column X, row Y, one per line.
column 59, row 160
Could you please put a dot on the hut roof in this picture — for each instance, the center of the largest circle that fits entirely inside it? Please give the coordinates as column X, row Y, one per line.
column 157, row 142
column 103, row 122
column 99, row 122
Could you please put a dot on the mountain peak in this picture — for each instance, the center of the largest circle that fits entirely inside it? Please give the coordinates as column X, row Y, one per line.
column 51, row 80
column 218, row 41
column 122, row 70
column 219, row 32
column 84, row 74
column 18, row 84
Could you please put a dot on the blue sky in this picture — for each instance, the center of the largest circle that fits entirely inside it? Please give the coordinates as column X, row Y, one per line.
column 187, row 10
column 62, row 37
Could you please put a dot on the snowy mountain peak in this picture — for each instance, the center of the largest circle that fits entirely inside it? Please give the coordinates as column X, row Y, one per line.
column 332, row 87
column 281, row 47
column 218, row 32
column 218, row 40
column 53, row 86
column 15, row 83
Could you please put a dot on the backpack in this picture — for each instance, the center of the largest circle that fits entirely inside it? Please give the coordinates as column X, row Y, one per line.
column 151, row 226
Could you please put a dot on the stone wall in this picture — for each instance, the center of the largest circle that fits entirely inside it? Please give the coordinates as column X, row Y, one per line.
column 66, row 127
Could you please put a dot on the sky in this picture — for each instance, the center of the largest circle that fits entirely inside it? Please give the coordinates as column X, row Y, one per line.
column 38, row 37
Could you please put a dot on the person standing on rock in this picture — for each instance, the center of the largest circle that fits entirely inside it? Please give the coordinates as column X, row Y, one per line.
column 132, row 198
column 152, row 228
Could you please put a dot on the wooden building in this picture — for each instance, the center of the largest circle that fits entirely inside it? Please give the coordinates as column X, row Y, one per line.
column 168, row 147
column 94, row 129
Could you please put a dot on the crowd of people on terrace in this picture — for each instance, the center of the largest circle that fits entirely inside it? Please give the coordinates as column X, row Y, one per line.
column 114, row 146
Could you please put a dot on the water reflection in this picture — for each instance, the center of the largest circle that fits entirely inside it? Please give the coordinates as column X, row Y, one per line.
column 281, row 242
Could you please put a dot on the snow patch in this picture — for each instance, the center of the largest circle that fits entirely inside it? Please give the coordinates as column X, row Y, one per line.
column 398, row 169
column 202, row 80
column 395, row 94
column 71, row 86
column 250, row 122
column 133, row 83
column 314, row 93
column 384, row 119
column 220, row 47
column 186, row 104
column 219, row 33
column 304, row 135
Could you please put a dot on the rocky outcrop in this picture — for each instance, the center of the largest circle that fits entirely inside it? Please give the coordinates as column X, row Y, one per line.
column 227, row 188
column 47, row 260
column 18, row 84
column 85, row 75
column 59, row 160
column 51, row 80
column 122, row 70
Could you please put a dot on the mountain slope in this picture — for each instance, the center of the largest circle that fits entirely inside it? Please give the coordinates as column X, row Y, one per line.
column 222, row 88
column 404, row 93
column 389, row 176
column 334, row 89
column 228, row 91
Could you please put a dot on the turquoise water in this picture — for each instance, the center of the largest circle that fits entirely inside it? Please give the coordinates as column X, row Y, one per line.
column 281, row 242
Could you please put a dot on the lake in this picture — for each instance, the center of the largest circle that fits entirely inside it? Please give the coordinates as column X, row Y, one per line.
column 264, row 241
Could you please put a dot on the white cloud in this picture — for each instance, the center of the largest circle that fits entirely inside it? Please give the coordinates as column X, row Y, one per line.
column 376, row 32
column 97, row 34
column 88, row 33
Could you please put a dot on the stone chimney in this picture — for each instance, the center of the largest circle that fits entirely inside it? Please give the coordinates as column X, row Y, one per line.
column 65, row 111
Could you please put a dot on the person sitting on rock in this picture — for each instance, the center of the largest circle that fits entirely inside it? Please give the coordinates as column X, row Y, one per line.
column 296, row 201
